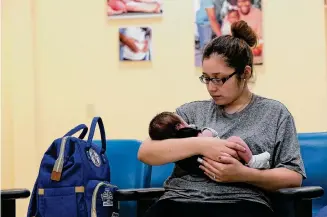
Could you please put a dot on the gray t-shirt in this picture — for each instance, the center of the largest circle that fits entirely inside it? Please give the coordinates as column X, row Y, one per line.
column 264, row 125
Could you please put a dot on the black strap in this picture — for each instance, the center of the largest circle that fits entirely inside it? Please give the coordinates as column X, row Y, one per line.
column 95, row 121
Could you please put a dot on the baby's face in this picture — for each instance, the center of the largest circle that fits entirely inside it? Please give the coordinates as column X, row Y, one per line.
column 233, row 16
column 183, row 123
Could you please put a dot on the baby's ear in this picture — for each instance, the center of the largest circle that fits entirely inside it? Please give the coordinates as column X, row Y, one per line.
column 179, row 126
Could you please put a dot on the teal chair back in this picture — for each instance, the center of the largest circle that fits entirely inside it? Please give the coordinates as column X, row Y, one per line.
column 126, row 171
column 314, row 153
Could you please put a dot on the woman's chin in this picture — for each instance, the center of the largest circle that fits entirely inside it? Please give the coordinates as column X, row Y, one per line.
column 219, row 100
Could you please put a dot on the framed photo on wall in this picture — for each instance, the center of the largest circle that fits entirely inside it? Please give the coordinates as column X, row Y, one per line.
column 135, row 44
column 126, row 9
column 213, row 17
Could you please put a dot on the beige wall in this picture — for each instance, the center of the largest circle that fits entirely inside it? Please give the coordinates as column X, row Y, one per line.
column 60, row 68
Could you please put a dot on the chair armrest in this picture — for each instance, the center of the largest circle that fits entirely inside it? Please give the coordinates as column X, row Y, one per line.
column 309, row 192
column 13, row 194
column 138, row 194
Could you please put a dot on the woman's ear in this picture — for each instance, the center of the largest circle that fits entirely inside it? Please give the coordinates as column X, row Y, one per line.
column 247, row 73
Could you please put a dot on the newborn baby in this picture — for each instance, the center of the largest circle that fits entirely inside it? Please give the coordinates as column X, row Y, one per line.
column 168, row 125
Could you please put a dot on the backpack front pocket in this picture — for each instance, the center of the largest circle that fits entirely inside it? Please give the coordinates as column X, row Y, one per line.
column 64, row 201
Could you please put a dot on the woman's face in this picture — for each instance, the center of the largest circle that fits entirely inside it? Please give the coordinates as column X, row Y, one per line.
column 226, row 93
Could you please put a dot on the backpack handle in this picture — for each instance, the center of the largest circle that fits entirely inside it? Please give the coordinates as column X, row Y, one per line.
column 95, row 121
column 76, row 129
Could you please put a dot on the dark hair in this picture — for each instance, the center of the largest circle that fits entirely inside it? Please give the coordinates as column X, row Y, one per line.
column 235, row 48
column 232, row 11
column 165, row 126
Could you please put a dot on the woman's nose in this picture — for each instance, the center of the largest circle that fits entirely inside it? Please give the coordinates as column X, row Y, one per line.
column 212, row 86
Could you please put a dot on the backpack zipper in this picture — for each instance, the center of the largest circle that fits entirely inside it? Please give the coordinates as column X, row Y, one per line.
column 57, row 168
column 94, row 197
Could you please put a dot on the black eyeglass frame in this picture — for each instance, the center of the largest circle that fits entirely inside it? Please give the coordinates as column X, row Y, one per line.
column 216, row 81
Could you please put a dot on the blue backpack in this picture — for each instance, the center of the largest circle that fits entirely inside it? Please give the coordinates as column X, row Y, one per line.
column 74, row 178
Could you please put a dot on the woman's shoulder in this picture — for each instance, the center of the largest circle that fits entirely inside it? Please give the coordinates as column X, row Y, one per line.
column 194, row 105
column 272, row 105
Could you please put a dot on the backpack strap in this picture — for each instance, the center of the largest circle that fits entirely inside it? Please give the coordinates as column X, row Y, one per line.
column 95, row 121
column 76, row 129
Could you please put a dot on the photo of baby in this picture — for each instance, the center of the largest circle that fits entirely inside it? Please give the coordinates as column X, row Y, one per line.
column 121, row 9
column 135, row 44
column 214, row 18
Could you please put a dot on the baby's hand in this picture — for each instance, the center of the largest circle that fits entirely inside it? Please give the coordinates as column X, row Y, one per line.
column 206, row 133
column 247, row 155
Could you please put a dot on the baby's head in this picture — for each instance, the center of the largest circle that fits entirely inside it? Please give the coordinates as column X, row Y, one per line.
column 168, row 125
column 233, row 15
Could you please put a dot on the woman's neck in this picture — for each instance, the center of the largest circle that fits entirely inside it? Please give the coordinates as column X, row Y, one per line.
column 240, row 103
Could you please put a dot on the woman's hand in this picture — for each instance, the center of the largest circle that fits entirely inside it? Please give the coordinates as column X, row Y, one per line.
column 227, row 169
column 214, row 148
column 247, row 155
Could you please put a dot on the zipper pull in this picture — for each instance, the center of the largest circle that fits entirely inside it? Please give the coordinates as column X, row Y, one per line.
column 55, row 176
column 59, row 164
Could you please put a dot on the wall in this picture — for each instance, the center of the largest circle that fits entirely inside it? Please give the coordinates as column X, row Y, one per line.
column 61, row 68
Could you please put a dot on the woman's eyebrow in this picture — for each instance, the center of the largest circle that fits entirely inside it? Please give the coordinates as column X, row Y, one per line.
column 214, row 74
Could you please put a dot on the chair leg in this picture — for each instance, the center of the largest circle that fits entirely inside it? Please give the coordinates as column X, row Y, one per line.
column 303, row 208
column 8, row 208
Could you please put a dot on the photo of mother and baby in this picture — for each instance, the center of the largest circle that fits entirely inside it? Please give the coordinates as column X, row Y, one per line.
column 215, row 17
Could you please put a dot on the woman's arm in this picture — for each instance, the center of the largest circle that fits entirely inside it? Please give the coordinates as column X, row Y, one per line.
column 273, row 179
column 229, row 169
column 129, row 42
column 155, row 152
column 215, row 26
column 171, row 150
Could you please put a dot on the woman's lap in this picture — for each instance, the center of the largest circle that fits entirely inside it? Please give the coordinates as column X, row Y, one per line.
column 171, row 208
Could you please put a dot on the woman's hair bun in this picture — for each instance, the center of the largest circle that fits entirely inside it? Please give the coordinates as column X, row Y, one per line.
column 242, row 30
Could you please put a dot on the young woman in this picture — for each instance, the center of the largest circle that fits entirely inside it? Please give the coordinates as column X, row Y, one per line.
column 231, row 189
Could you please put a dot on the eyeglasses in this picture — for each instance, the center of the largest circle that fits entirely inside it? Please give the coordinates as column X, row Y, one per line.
column 217, row 81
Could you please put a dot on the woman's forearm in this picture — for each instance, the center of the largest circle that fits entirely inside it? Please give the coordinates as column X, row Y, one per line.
column 272, row 179
column 167, row 151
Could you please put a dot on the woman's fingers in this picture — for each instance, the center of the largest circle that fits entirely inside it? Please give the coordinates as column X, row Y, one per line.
column 207, row 171
column 210, row 174
column 213, row 178
column 235, row 146
column 223, row 159
column 230, row 151
column 210, row 166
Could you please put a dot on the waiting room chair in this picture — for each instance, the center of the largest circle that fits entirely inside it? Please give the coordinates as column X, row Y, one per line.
column 8, row 200
column 314, row 153
column 291, row 202
column 126, row 171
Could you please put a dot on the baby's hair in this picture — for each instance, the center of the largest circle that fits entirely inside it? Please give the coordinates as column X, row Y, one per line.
column 165, row 125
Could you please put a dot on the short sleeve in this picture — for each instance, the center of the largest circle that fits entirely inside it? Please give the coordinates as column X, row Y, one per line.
column 188, row 112
column 207, row 4
column 287, row 151
column 122, row 30
column 183, row 115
